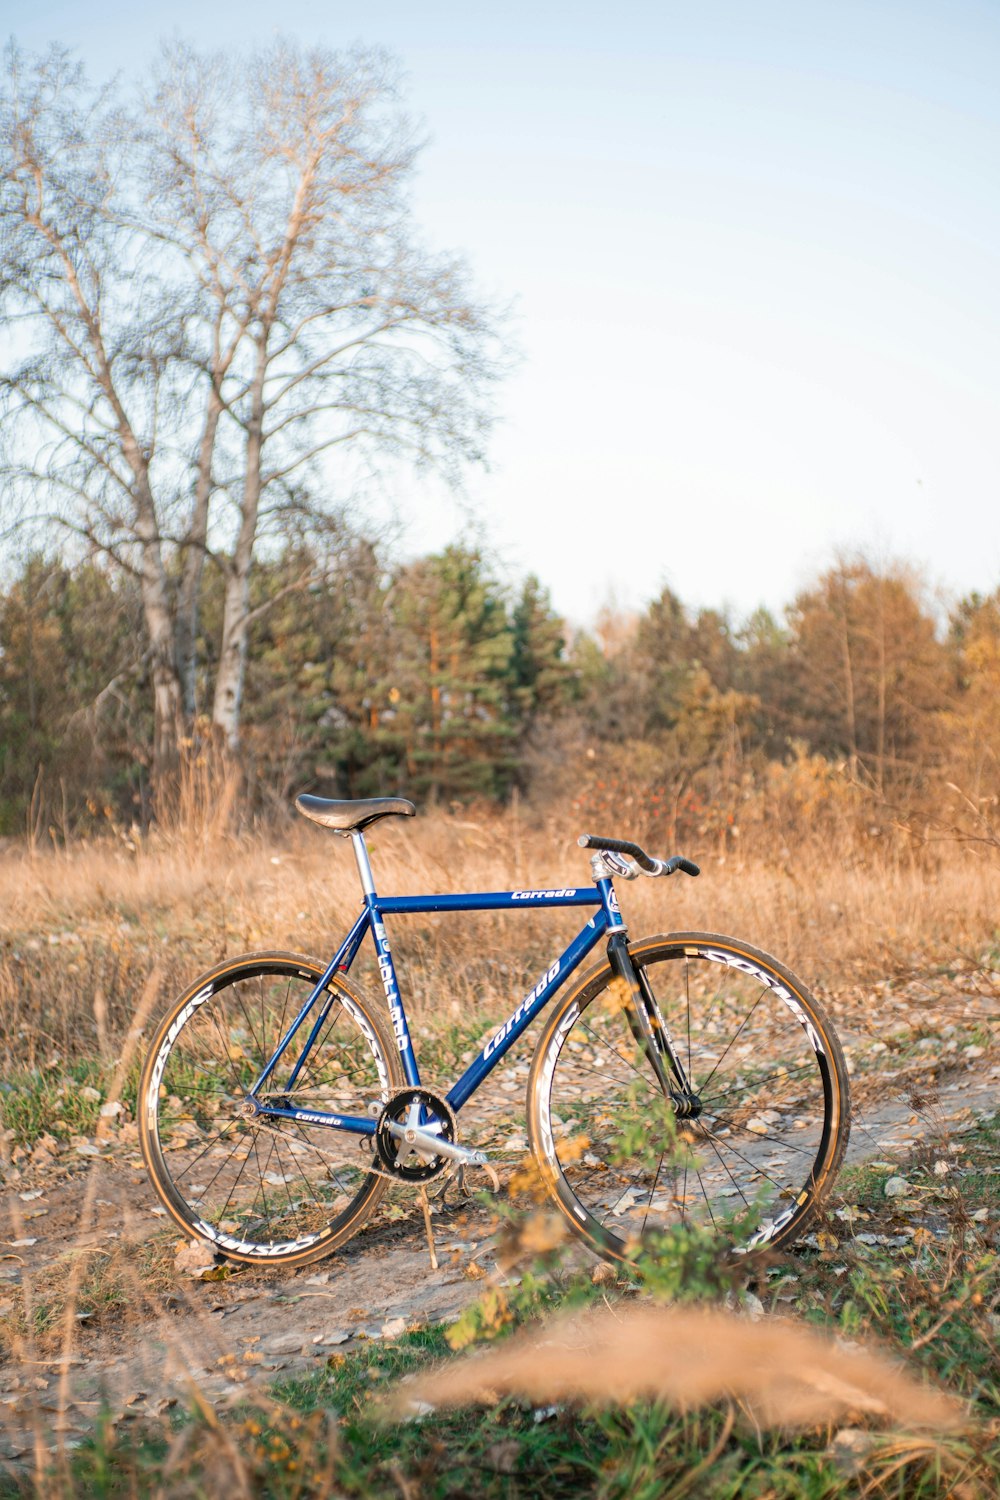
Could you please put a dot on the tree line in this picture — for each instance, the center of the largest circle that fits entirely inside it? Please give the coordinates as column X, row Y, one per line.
column 432, row 679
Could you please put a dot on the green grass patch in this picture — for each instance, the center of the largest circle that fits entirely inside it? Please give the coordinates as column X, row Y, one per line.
column 60, row 1100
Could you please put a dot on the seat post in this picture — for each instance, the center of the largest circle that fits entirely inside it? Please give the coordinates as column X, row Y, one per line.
column 364, row 865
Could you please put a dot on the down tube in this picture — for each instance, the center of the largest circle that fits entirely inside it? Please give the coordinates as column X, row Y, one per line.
column 503, row 1039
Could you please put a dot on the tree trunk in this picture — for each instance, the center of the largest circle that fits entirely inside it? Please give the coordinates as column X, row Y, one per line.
column 882, row 686
column 189, row 593
column 852, row 725
column 167, row 705
column 228, row 702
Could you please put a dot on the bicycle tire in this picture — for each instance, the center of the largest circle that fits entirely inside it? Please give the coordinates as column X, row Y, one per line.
column 738, row 1018
column 263, row 1189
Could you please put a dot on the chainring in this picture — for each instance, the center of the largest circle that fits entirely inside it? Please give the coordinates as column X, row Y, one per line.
column 401, row 1160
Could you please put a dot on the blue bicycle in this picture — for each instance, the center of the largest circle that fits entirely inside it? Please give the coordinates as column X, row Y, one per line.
column 686, row 1079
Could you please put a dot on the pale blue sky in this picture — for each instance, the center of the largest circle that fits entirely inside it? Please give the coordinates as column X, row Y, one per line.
column 755, row 251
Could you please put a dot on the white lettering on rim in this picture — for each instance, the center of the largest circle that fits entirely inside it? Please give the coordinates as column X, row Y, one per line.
column 774, row 984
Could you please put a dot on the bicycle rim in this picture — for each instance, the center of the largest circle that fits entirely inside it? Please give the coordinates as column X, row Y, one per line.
column 772, row 1118
column 261, row 1188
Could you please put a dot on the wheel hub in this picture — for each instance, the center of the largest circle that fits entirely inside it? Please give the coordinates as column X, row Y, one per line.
column 687, row 1106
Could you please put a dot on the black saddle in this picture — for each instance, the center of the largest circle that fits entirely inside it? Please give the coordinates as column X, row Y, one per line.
column 351, row 817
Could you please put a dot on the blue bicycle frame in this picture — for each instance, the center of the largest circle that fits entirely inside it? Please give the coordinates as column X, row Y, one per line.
column 606, row 921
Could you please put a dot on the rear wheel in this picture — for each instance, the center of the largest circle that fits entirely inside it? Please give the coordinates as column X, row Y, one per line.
column 264, row 1188
column 769, row 1101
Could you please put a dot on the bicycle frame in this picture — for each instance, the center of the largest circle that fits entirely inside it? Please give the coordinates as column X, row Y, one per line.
column 606, row 921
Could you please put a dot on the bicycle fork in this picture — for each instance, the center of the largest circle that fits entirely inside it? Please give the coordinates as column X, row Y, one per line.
column 650, row 1031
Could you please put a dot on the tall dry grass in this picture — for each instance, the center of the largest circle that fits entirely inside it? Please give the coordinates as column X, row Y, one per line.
column 83, row 927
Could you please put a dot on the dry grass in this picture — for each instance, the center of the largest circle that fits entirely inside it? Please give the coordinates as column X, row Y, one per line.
column 83, row 928
column 783, row 1374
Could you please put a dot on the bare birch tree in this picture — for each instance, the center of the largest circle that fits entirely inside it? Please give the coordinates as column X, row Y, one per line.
column 284, row 186
column 216, row 290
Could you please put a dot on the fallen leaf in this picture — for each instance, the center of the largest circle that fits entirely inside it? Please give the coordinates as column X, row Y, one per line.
column 199, row 1260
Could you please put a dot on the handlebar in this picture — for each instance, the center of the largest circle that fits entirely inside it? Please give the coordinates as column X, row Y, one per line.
column 647, row 864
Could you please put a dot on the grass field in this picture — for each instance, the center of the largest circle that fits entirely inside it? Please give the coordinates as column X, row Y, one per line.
column 904, row 952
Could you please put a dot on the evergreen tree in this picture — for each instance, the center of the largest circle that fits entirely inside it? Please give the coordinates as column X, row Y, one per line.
column 447, row 704
column 539, row 673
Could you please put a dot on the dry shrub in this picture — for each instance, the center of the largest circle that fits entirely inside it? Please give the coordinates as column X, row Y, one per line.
column 784, row 1375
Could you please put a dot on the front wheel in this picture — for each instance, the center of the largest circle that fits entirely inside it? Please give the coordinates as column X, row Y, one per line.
column 747, row 1152
column 264, row 1188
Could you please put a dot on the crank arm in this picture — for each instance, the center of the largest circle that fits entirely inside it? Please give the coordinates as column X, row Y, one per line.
column 433, row 1145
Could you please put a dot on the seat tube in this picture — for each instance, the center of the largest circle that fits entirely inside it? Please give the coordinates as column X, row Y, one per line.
column 363, row 862
column 386, row 967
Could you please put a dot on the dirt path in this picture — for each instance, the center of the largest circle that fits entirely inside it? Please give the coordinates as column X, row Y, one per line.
column 153, row 1332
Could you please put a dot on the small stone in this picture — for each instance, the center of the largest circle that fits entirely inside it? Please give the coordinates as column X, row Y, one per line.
column 941, row 1169
column 753, row 1307
column 394, row 1328
column 896, row 1187
column 849, row 1448
column 283, row 1343
column 415, row 1410
column 92, row 1095
column 502, row 1457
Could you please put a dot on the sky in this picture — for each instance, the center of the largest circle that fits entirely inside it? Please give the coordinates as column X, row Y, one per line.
column 753, row 254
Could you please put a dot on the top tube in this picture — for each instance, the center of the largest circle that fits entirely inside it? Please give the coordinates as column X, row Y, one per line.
column 469, row 900
column 490, row 900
